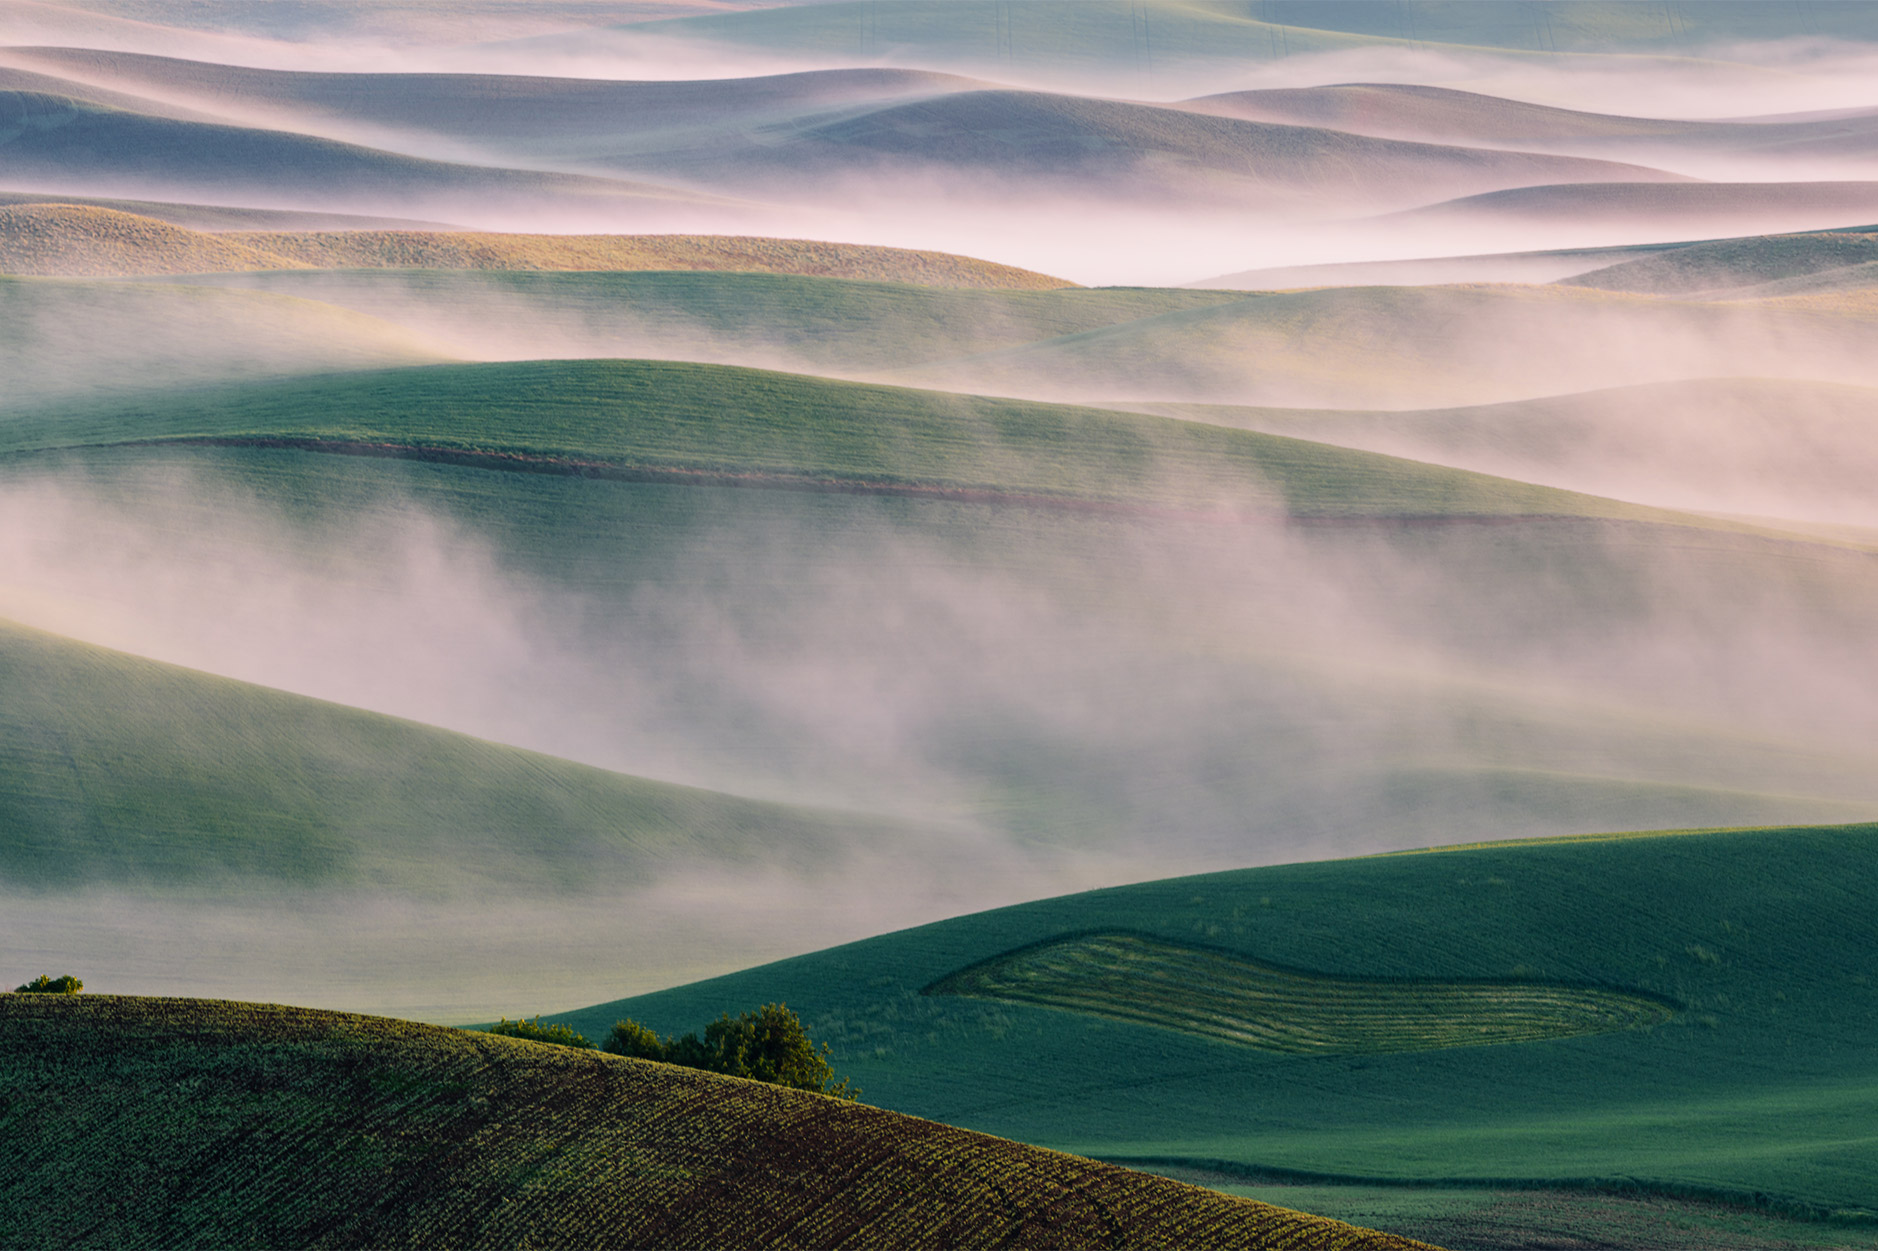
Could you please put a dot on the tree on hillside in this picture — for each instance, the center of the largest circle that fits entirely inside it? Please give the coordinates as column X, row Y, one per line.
column 535, row 1031
column 768, row 1045
column 45, row 984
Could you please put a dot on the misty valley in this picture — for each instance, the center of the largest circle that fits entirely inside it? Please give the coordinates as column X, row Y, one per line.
column 809, row 623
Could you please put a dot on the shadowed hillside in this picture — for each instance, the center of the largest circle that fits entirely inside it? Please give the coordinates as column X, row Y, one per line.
column 1443, row 115
column 1132, row 150
column 76, row 147
column 1655, row 212
column 788, row 132
column 1777, row 264
column 163, row 1122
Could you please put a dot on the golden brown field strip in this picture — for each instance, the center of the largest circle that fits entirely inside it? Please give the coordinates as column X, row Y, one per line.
column 1218, row 994
column 172, row 1122
column 70, row 240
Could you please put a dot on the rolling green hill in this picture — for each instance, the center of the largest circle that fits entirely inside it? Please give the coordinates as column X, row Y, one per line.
column 121, row 773
column 671, row 421
column 1758, row 1089
column 178, row 1121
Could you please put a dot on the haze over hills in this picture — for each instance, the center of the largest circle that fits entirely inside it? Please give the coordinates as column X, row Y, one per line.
column 1719, row 445
column 1442, row 115
column 57, row 143
column 514, row 503
column 788, row 135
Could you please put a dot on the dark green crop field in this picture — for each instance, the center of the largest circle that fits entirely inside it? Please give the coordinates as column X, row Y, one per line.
column 1760, row 1087
column 136, row 1122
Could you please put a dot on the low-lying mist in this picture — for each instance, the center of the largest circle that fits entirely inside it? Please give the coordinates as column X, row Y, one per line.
column 1078, row 699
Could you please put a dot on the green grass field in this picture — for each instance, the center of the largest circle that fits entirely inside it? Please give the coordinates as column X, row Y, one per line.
column 705, row 423
column 117, row 772
column 1760, row 1090
column 167, row 1122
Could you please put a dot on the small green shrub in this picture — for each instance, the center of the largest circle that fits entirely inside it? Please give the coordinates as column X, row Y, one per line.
column 45, row 984
column 768, row 1045
column 535, row 1031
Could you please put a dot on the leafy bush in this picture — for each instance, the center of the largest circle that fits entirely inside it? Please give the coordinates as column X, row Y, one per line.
column 768, row 1045
column 48, row 985
column 535, row 1031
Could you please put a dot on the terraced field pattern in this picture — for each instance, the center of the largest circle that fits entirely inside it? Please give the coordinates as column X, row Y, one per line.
column 1216, row 994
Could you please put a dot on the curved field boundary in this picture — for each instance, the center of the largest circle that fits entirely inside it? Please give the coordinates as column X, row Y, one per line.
column 1221, row 995
column 1780, row 1205
column 175, row 1122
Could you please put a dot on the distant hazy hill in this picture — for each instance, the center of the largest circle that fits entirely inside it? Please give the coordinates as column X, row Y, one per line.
column 77, row 240
column 1132, row 150
column 1444, row 115
column 562, row 117
column 70, row 145
column 1658, row 211
column 794, row 133
column 167, row 1121
column 1775, row 264
column 1118, row 36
